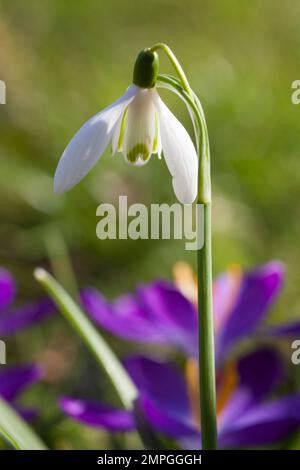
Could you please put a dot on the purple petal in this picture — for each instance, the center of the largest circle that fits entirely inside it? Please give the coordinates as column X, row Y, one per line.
column 163, row 396
column 239, row 402
column 161, row 382
column 158, row 314
column 7, row 288
column 125, row 318
column 97, row 415
column 290, row 329
column 258, row 290
column 14, row 380
column 165, row 422
column 29, row 414
column 225, row 291
column 264, row 424
column 192, row 442
column 25, row 316
column 260, row 372
column 173, row 313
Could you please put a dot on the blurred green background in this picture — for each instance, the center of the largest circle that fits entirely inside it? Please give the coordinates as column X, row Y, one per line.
column 62, row 62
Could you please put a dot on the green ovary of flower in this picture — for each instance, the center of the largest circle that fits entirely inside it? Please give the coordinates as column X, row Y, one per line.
column 139, row 151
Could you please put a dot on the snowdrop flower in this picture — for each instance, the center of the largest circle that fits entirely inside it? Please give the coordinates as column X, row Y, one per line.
column 138, row 124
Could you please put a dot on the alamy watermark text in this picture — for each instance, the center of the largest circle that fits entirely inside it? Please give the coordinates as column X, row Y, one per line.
column 158, row 222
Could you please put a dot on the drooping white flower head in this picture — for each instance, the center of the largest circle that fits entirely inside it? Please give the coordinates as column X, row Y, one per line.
column 138, row 124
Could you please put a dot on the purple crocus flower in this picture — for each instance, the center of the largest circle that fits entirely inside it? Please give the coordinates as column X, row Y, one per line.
column 14, row 380
column 12, row 318
column 160, row 313
column 246, row 417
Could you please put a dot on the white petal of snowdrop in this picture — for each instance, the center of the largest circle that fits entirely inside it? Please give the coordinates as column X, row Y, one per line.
column 179, row 153
column 140, row 128
column 89, row 143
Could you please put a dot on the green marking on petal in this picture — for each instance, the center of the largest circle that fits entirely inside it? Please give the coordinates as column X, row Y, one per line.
column 139, row 150
column 155, row 141
column 122, row 130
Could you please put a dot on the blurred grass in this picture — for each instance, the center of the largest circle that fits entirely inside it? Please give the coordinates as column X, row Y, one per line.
column 64, row 61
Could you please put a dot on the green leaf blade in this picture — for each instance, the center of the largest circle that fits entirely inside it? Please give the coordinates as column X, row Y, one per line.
column 91, row 337
column 16, row 431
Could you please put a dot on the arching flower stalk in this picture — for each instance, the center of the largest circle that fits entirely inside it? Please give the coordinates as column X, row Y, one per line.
column 139, row 124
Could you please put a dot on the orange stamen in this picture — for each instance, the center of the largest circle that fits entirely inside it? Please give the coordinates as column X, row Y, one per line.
column 227, row 387
column 230, row 380
column 186, row 281
column 193, row 389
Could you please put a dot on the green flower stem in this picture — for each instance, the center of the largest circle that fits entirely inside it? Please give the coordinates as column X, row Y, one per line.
column 206, row 339
column 175, row 63
column 207, row 379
